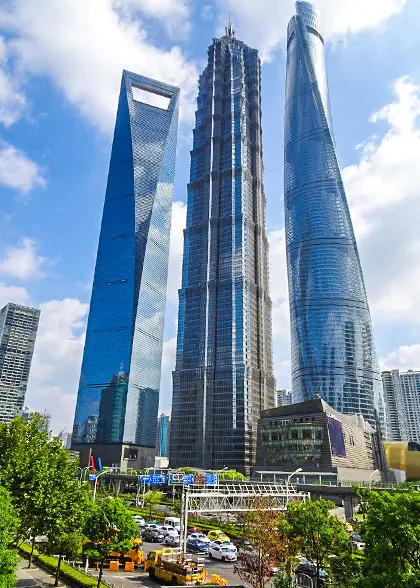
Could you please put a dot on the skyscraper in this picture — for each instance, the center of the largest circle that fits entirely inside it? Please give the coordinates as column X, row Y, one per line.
column 118, row 397
column 18, row 328
column 283, row 398
column 402, row 400
column 333, row 352
column 223, row 376
column 163, row 432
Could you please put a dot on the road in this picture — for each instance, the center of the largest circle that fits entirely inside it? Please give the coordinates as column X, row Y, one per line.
column 123, row 579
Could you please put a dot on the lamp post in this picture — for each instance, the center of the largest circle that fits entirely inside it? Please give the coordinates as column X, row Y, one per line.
column 96, row 483
column 287, row 484
column 144, row 485
column 82, row 473
column 371, row 476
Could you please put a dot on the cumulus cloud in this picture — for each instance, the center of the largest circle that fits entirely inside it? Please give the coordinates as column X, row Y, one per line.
column 263, row 23
column 406, row 357
column 12, row 99
column 179, row 212
column 57, row 358
column 174, row 14
column 22, row 261
column 17, row 171
column 84, row 46
column 16, row 294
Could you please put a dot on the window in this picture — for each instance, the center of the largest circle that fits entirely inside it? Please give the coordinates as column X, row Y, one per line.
column 149, row 97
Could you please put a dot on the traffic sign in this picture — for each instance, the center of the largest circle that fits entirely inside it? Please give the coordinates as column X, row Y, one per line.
column 188, row 478
column 154, row 479
column 200, row 479
column 145, row 479
column 92, row 477
column 176, row 478
column 212, row 479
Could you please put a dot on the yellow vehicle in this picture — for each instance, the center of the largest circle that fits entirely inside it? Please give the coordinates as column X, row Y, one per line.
column 169, row 565
column 349, row 527
column 135, row 554
column 217, row 534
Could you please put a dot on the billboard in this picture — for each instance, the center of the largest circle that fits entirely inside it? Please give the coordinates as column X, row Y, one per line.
column 335, row 429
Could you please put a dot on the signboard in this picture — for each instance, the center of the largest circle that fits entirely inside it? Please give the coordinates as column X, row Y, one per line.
column 200, row 479
column 188, row 478
column 92, row 477
column 163, row 478
column 212, row 479
column 176, row 478
column 145, row 479
column 338, row 446
column 154, row 479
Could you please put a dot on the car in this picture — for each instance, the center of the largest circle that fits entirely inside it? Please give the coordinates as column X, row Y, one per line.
column 197, row 546
column 358, row 545
column 217, row 534
column 243, row 544
column 220, row 543
column 309, row 569
column 357, row 537
column 152, row 526
column 152, row 535
column 200, row 536
column 222, row 553
column 349, row 527
column 165, row 530
column 171, row 540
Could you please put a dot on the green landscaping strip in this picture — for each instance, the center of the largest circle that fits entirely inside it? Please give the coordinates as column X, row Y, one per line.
column 66, row 572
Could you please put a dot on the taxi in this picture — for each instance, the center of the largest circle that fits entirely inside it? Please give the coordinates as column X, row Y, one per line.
column 217, row 534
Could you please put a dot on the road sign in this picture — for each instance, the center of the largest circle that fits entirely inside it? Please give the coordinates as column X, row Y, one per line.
column 92, row 477
column 188, row 478
column 163, row 478
column 154, row 479
column 176, row 478
column 145, row 479
column 212, row 479
column 200, row 479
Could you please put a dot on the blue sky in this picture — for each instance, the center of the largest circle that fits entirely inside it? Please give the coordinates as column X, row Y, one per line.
column 60, row 69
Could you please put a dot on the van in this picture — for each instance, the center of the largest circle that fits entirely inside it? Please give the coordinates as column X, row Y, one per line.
column 174, row 522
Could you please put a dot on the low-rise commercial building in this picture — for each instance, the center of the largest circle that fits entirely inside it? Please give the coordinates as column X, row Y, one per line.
column 324, row 444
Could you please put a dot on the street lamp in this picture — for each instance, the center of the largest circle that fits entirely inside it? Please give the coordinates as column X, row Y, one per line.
column 96, row 483
column 144, row 485
column 82, row 473
column 371, row 476
column 287, row 483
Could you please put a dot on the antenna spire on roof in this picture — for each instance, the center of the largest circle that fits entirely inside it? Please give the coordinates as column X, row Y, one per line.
column 230, row 31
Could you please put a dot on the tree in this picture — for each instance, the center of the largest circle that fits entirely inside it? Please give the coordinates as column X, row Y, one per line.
column 109, row 526
column 8, row 525
column 263, row 529
column 153, row 497
column 392, row 537
column 232, row 475
column 316, row 533
column 40, row 476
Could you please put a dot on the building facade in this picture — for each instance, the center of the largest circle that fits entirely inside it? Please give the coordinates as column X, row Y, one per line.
column 283, row 398
column 326, row 444
column 402, row 401
column 163, row 433
column 333, row 352
column 18, row 329
column 118, row 396
column 223, row 375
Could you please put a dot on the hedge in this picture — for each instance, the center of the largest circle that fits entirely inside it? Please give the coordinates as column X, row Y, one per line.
column 66, row 572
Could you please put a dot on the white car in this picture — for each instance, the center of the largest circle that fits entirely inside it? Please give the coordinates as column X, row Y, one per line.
column 140, row 521
column 171, row 539
column 358, row 545
column 221, row 543
column 165, row 530
column 153, row 526
column 199, row 536
column 223, row 553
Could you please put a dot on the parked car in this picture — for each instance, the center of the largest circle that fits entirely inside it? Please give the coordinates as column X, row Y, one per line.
column 222, row 553
column 309, row 569
column 140, row 522
column 220, row 543
column 243, row 544
column 217, row 534
column 200, row 536
column 358, row 545
column 152, row 526
column 165, row 530
column 152, row 535
column 171, row 540
column 197, row 546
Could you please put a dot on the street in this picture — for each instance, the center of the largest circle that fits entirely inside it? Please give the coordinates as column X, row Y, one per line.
column 122, row 579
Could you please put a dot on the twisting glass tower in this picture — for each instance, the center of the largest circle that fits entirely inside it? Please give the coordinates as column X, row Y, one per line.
column 223, row 376
column 333, row 352
column 118, row 394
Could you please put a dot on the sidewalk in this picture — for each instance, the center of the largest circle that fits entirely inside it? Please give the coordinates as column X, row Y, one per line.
column 34, row 577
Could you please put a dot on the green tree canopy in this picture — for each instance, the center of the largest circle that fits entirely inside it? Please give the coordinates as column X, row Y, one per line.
column 8, row 526
column 392, row 536
column 153, row 497
column 317, row 534
column 109, row 526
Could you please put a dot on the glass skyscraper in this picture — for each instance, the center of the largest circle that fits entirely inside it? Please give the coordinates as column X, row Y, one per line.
column 120, row 377
column 223, row 376
column 18, row 329
column 333, row 352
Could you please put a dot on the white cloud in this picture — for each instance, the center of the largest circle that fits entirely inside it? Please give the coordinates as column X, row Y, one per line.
column 406, row 357
column 17, row 171
column 168, row 365
column 174, row 14
column 263, row 23
column 55, row 369
column 84, row 46
column 22, row 261
column 383, row 192
column 16, row 294
column 12, row 99
column 179, row 212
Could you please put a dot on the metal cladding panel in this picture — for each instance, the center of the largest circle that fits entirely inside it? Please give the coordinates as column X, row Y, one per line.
column 333, row 352
column 120, row 378
column 223, row 375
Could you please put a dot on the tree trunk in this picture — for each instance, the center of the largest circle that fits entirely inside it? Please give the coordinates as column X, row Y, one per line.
column 57, row 573
column 32, row 552
column 101, row 567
